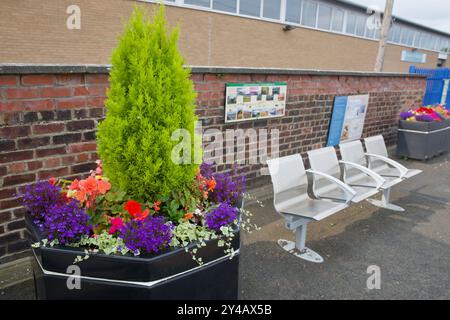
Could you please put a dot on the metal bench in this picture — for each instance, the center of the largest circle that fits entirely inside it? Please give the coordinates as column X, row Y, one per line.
column 293, row 202
column 353, row 153
column 365, row 182
column 380, row 162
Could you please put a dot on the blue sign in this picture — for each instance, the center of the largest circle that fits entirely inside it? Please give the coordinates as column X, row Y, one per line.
column 347, row 120
column 337, row 121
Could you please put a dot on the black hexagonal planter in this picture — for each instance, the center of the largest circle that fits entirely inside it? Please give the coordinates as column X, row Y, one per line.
column 172, row 274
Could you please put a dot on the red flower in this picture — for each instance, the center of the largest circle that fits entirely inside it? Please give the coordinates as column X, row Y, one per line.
column 52, row 180
column 133, row 207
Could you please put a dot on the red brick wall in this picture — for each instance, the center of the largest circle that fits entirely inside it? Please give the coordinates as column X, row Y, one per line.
column 48, row 122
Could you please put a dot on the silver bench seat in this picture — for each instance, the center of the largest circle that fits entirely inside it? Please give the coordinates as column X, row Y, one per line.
column 325, row 160
column 380, row 162
column 292, row 201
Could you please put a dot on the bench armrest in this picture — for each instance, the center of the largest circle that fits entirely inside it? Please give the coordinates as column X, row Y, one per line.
column 375, row 176
column 349, row 192
column 402, row 169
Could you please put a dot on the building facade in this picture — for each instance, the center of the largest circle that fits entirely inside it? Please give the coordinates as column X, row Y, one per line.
column 298, row 34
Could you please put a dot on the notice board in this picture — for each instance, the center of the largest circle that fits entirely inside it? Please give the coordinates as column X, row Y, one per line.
column 252, row 101
column 347, row 120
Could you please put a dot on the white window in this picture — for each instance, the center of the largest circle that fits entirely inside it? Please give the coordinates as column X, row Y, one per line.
column 272, row 9
column 370, row 32
column 200, row 3
column 225, row 5
column 309, row 14
column 324, row 21
column 396, row 33
column 407, row 36
column 250, row 7
column 351, row 23
column 338, row 20
column 360, row 25
column 293, row 10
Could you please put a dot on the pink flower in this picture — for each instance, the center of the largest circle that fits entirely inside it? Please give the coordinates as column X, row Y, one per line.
column 116, row 224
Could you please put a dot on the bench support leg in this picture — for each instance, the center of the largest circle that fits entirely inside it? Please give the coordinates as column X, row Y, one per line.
column 384, row 202
column 298, row 248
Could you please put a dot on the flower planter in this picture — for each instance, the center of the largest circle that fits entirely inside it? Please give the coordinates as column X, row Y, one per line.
column 173, row 274
column 423, row 140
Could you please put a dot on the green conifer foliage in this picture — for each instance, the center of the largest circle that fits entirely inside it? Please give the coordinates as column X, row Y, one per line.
column 150, row 97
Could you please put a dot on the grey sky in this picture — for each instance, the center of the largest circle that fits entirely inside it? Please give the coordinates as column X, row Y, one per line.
column 432, row 13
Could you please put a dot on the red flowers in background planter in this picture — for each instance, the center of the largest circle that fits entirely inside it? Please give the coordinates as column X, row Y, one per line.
column 426, row 114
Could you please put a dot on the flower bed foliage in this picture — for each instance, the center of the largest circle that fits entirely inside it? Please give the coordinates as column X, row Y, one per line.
column 426, row 114
column 138, row 201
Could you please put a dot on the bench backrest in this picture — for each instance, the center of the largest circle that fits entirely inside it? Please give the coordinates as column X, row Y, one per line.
column 324, row 160
column 376, row 145
column 289, row 179
column 353, row 152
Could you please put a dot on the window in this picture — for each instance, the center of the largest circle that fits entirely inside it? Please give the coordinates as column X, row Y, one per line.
column 351, row 23
column 370, row 32
column 200, row 3
column 309, row 13
column 407, row 36
column 324, row 21
column 360, row 25
column 445, row 46
column 272, row 9
column 421, row 40
column 396, row 32
column 338, row 20
column 225, row 5
column 293, row 10
column 250, row 7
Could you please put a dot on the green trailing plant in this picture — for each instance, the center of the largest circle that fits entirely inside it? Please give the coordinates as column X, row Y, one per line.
column 151, row 96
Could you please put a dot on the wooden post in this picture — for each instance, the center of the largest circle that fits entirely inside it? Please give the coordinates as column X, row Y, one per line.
column 387, row 17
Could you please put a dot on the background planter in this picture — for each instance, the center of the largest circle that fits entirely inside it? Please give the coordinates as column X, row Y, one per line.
column 423, row 140
column 173, row 274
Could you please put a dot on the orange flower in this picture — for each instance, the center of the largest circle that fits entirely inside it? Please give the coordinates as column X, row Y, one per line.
column 103, row 186
column 90, row 185
column 75, row 185
column 211, row 184
column 188, row 216
column 81, row 196
column 156, row 206
column 142, row 215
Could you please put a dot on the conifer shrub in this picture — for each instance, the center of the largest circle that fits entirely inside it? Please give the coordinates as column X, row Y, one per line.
column 150, row 97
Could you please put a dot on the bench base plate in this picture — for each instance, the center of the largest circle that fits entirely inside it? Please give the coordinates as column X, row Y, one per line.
column 306, row 254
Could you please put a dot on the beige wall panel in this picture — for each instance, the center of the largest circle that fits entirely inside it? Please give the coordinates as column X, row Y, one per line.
column 35, row 32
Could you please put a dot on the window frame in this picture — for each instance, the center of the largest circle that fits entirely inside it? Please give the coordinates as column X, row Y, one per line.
column 440, row 42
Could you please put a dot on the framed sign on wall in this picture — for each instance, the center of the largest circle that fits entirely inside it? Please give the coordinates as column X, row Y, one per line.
column 251, row 101
column 347, row 119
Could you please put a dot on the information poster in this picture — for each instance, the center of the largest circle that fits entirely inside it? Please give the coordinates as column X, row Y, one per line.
column 347, row 120
column 255, row 101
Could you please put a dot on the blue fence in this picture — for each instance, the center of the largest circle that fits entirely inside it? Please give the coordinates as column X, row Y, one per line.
column 435, row 84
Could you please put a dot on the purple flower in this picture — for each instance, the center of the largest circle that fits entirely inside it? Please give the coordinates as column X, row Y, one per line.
column 206, row 170
column 425, row 118
column 406, row 115
column 228, row 188
column 39, row 197
column 221, row 216
column 56, row 218
column 148, row 236
column 66, row 222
